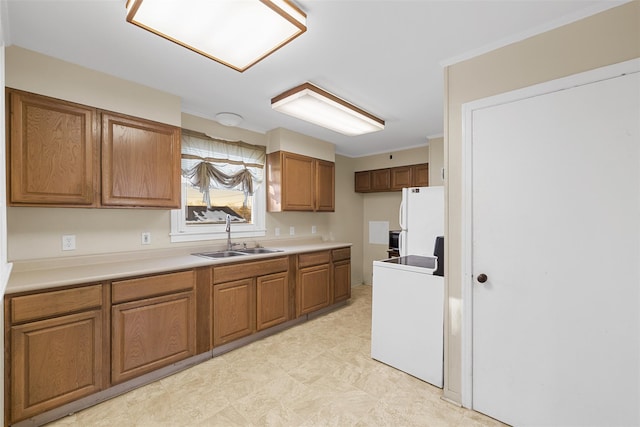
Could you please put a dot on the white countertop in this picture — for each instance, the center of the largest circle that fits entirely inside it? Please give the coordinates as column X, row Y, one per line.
column 50, row 273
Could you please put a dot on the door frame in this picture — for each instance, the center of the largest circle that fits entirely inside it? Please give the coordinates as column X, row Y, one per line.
column 580, row 79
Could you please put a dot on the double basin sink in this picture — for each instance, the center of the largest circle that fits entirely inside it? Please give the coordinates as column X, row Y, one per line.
column 239, row 252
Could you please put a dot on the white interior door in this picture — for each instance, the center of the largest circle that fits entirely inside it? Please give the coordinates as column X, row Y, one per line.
column 556, row 231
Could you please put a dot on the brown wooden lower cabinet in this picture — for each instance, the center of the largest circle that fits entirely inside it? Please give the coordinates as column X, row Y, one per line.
column 272, row 304
column 64, row 345
column 233, row 310
column 341, row 280
column 153, row 323
column 55, row 361
column 56, row 346
column 341, row 274
column 313, row 288
column 249, row 297
column 151, row 333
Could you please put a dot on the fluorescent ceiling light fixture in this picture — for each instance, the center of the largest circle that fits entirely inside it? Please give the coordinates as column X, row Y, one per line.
column 315, row 105
column 236, row 33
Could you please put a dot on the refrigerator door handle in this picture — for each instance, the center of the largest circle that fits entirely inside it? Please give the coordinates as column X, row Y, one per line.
column 401, row 216
column 402, row 245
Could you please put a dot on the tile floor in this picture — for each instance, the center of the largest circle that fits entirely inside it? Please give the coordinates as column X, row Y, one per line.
column 319, row 373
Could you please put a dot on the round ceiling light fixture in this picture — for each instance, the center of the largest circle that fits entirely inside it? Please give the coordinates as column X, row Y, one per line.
column 229, row 119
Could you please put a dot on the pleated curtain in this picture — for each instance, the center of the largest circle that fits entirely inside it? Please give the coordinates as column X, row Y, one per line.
column 212, row 163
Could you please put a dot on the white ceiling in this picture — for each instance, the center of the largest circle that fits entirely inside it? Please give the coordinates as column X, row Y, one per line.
column 385, row 56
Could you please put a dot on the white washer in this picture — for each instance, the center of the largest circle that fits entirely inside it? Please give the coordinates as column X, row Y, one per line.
column 407, row 316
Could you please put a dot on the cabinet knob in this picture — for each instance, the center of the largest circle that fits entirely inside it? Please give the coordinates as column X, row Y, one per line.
column 481, row 278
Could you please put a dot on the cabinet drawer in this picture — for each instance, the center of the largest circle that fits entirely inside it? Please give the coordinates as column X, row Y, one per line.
column 55, row 303
column 342, row 253
column 245, row 270
column 144, row 287
column 314, row 258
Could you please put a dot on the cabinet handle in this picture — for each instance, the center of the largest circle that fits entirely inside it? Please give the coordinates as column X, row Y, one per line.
column 482, row 278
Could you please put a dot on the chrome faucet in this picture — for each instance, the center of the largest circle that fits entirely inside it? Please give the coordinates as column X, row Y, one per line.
column 228, row 230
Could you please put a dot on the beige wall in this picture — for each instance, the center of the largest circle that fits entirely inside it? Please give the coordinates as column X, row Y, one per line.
column 398, row 158
column 377, row 207
column 34, row 72
column 216, row 130
column 281, row 139
column 609, row 37
column 382, row 206
column 347, row 219
column 436, row 161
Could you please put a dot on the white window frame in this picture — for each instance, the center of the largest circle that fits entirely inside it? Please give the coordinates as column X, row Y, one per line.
column 183, row 232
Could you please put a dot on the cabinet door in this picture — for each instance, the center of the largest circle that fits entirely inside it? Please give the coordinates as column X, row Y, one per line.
column 420, row 175
column 380, row 180
column 272, row 304
column 234, row 308
column 363, row 181
column 325, row 186
column 400, row 177
column 52, row 151
column 140, row 162
column 298, row 179
column 151, row 333
column 54, row 362
column 341, row 280
column 313, row 288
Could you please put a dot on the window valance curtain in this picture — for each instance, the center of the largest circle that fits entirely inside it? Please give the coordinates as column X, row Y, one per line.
column 217, row 163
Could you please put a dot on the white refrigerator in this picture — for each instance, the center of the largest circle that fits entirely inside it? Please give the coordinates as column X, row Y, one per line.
column 421, row 220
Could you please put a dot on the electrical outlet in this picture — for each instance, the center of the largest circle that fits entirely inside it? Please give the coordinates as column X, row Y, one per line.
column 146, row 238
column 292, row 231
column 314, row 230
column 277, row 231
column 69, row 242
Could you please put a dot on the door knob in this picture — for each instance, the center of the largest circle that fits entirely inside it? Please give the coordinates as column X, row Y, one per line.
column 482, row 278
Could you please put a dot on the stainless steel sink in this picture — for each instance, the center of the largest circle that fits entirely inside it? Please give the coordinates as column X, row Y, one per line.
column 219, row 254
column 259, row 250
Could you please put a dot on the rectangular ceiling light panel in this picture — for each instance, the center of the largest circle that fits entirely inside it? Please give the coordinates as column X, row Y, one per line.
column 236, row 33
column 315, row 105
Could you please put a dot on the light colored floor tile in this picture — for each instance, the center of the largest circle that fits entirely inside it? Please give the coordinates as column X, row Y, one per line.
column 319, row 373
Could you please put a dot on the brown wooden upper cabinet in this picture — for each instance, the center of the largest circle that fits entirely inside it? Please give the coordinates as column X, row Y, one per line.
column 392, row 179
column 363, row 181
column 420, row 175
column 299, row 183
column 71, row 155
column 53, row 151
column 401, row 178
column 140, row 162
column 380, row 180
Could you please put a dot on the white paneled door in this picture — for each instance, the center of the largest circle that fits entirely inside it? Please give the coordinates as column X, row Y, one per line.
column 555, row 256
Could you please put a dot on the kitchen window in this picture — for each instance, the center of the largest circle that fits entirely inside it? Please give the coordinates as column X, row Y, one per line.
column 219, row 178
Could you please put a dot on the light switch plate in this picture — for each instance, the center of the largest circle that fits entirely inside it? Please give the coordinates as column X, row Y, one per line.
column 292, row 231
